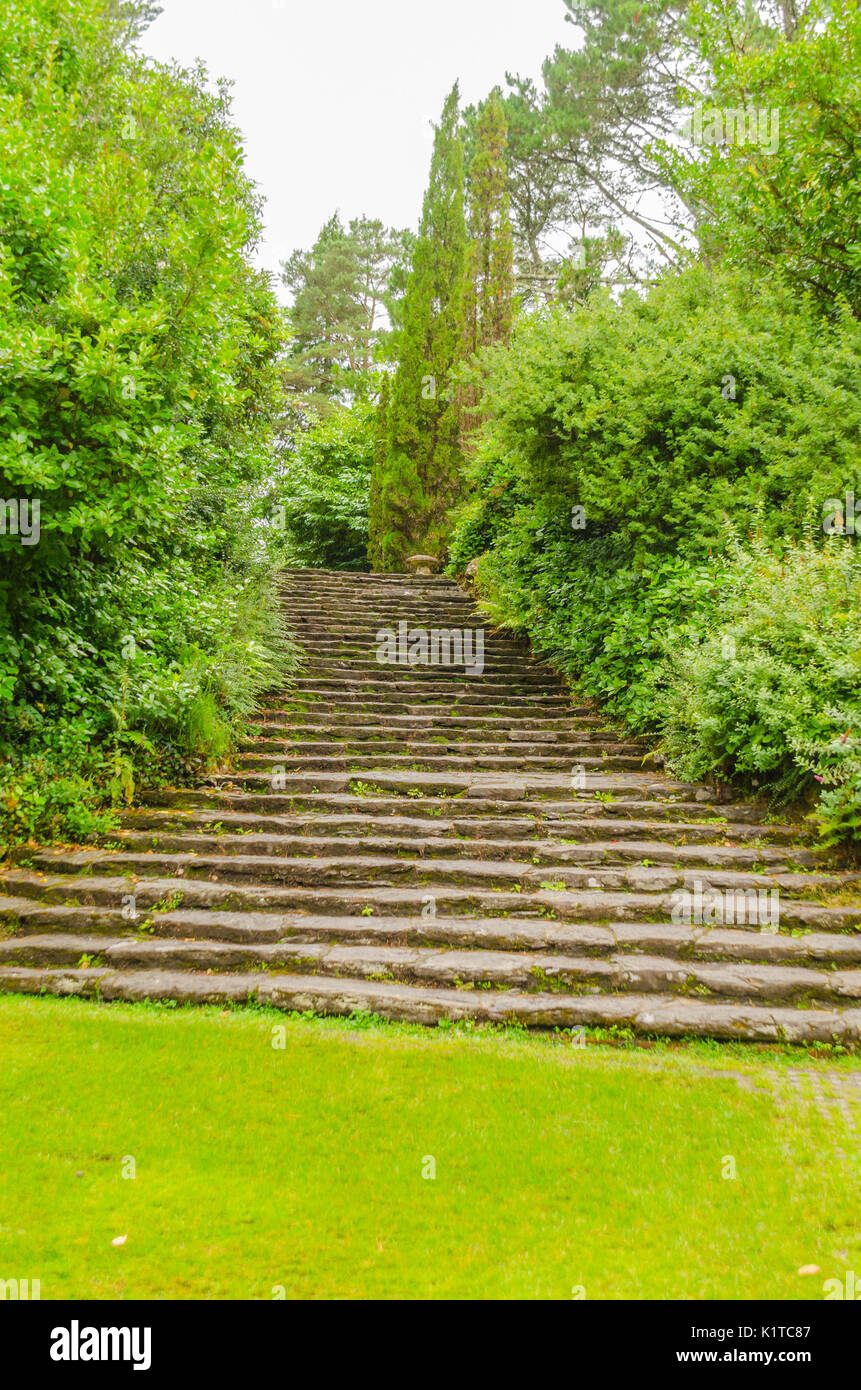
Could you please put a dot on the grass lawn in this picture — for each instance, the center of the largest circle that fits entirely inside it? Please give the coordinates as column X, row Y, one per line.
column 302, row 1167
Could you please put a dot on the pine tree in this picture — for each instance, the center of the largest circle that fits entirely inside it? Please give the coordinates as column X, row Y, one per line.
column 417, row 479
column 340, row 289
column 325, row 319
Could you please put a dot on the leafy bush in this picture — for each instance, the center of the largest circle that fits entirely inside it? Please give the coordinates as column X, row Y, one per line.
column 787, row 203
column 680, row 423
column 325, row 491
column 667, row 417
column 772, row 692
column 138, row 402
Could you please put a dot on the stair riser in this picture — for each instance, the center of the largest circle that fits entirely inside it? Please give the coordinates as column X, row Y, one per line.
column 460, row 748
column 654, row 1015
column 383, row 871
column 427, row 762
column 425, row 785
column 625, row 807
column 467, row 726
column 815, row 950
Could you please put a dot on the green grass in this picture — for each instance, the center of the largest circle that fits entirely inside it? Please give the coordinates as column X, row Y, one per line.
column 556, row 1166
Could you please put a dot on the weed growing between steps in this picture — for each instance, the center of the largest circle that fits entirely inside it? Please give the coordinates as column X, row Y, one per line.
column 607, row 1161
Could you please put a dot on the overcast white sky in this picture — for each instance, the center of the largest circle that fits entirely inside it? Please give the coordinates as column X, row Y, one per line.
column 335, row 96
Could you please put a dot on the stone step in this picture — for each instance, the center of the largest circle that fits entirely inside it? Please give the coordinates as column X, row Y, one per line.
column 421, row 720
column 571, row 830
column 323, row 703
column 618, row 805
column 479, row 784
column 311, row 737
column 422, row 965
column 386, row 614
column 351, row 898
column 513, row 760
column 656, row 1014
column 437, row 746
column 537, row 935
column 438, row 681
column 386, row 869
column 405, row 845
column 494, row 673
column 465, row 690
column 408, row 596
column 361, row 643
column 456, row 687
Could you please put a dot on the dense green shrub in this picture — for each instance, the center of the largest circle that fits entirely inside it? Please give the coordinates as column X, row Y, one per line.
column 668, row 416
column 680, row 424
column 772, row 692
column 138, row 401
column 324, row 489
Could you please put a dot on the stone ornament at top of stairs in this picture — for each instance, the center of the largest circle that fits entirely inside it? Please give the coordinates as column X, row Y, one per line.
column 423, row 564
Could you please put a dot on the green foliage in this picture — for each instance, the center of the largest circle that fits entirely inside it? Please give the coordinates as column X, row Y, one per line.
column 671, row 418
column 418, row 477
column 596, row 152
column 138, row 397
column 490, row 281
column 605, row 621
column 340, row 287
column 326, row 490
column 60, row 791
column 772, row 692
column 680, row 423
column 788, row 202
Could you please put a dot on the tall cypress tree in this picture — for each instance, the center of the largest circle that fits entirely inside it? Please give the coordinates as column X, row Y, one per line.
column 376, row 512
column 491, row 248
column 417, row 479
column 490, row 257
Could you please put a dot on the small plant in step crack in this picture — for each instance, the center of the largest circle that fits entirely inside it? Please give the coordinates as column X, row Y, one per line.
column 166, row 904
column 367, row 912
column 556, row 885
column 367, row 789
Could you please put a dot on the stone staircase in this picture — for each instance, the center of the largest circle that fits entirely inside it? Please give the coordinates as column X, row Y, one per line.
column 427, row 842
